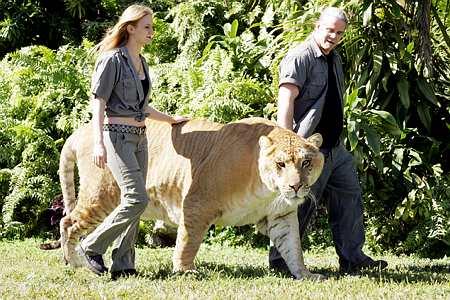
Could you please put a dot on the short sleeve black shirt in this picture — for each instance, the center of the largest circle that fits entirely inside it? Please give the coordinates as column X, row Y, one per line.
column 331, row 121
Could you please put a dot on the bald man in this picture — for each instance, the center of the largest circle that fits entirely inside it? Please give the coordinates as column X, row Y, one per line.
column 310, row 100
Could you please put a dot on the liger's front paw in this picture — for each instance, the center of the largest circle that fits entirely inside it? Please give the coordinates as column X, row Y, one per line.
column 311, row 276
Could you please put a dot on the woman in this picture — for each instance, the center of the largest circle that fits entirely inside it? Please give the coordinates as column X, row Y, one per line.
column 120, row 87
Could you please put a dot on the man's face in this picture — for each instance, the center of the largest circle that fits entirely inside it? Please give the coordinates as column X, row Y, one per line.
column 328, row 33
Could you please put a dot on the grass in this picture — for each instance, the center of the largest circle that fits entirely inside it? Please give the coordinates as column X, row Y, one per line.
column 27, row 272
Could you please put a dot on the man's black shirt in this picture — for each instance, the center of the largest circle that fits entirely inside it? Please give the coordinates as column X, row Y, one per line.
column 331, row 122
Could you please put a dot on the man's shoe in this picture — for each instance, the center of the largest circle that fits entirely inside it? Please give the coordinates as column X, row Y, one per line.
column 94, row 263
column 123, row 273
column 367, row 264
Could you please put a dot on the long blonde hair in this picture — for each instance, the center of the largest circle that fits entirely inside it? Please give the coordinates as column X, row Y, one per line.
column 118, row 35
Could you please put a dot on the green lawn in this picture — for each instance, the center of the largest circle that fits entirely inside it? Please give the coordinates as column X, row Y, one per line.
column 238, row 273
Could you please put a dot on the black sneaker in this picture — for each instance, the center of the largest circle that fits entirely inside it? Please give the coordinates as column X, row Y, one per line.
column 94, row 263
column 123, row 274
column 366, row 265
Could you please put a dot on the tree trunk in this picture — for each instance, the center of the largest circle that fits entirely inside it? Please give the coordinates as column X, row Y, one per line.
column 422, row 20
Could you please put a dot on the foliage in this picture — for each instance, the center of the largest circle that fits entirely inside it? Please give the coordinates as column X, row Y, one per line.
column 58, row 22
column 34, row 22
column 212, row 90
column 213, row 85
column 193, row 21
column 163, row 48
column 398, row 144
column 44, row 97
column 236, row 236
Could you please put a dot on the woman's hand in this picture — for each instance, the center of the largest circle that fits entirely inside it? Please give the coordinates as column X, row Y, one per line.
column 179, row 119
column 99, row 155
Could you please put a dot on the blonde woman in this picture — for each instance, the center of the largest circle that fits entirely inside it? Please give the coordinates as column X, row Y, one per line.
column 120, row 91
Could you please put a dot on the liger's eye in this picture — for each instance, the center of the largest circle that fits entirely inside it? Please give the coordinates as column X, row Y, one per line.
column 280, row 164
column 306, row 163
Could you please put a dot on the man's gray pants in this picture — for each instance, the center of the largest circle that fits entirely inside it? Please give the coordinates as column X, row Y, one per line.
column 127, row 159
column 338, row 185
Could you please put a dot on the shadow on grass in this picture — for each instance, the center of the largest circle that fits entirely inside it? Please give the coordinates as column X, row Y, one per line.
column 434, row 268
column 207, row 270
column 436, row 273
column 163, row 271
column 235, row 271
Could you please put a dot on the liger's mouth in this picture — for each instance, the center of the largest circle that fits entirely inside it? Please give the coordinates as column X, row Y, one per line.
column 295, row 196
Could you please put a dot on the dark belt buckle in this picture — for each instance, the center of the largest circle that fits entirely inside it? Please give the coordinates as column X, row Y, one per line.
column 141, row 130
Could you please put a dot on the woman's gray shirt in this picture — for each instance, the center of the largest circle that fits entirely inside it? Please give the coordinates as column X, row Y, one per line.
column 116, row 81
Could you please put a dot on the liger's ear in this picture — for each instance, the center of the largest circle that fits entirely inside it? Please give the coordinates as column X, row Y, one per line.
column 265, row 142
column 316, row 139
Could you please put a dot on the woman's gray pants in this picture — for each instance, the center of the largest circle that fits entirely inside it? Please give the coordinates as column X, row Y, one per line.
column 127, row 159
column 339, row 186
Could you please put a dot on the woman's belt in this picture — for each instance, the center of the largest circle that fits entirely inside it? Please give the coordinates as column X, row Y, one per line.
column 124, row 128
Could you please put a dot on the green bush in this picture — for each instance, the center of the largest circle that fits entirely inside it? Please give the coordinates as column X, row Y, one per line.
column 236, row 236
column 400, row 148
column 44, row 97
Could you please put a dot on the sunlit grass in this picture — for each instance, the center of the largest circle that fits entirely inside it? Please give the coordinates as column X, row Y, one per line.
column 27, row 272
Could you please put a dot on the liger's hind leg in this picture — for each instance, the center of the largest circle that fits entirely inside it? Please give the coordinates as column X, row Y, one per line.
column 80, row 222
column 68, row 242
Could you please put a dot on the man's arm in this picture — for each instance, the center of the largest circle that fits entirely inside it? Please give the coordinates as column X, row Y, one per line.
column 286, row 96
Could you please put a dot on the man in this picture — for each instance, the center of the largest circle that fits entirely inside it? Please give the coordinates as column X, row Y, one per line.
column 310, row 100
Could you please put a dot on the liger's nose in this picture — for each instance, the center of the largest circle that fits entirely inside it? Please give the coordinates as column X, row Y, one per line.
column 296, row 187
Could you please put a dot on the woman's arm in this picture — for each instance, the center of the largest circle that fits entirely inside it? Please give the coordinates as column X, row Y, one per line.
column 98, row 116
column 160, row 116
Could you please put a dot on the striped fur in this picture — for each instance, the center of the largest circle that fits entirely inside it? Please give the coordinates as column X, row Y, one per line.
column 201, row 173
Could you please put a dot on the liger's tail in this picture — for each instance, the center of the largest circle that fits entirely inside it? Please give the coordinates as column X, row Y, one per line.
column 67, row 162
column 66, row 178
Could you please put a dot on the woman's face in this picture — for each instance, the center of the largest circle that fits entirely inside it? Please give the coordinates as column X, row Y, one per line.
column 142, row 32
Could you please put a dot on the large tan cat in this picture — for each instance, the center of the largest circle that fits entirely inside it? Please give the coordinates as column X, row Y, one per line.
column 202, row 173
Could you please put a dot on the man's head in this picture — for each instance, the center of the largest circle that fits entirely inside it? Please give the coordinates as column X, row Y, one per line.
column 330, row 28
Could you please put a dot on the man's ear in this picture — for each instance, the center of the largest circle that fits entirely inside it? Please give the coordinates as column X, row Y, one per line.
column 317, row 25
